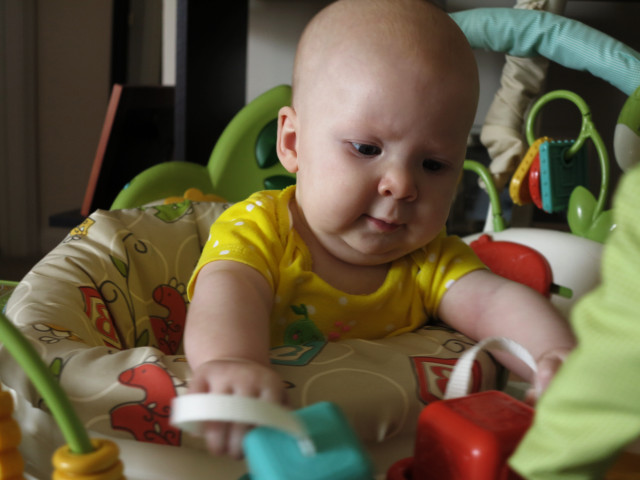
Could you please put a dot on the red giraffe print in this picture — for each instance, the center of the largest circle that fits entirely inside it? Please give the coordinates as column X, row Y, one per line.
column 169, row 329
column 148, row 419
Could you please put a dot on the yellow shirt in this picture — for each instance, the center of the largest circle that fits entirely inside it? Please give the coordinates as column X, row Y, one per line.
column 258, row 232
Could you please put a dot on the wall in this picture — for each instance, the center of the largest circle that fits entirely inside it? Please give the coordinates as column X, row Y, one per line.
column 18, row 192
column 74, row 49
column 274, row 29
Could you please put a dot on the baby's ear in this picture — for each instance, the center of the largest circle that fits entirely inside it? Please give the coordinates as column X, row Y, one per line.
column 287, row 143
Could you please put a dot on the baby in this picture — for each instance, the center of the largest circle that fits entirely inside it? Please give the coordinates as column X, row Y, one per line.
column 384, row 96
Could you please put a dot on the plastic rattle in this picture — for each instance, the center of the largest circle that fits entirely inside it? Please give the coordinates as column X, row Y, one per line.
column 468, row 437
column 534, row 183
column 316, row 440
column 585, row 214
column 519, row 185
column 560, row 174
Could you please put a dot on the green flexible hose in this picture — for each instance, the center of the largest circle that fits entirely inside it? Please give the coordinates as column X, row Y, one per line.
column 494, row 197
column 57, row 401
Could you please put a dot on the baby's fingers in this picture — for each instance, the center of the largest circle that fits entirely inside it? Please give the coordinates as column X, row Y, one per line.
column 216, row 436
column 548, row 365
column 225, row 438
column 236, row 432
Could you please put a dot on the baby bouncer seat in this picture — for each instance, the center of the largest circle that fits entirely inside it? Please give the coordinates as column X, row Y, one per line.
column 105, row 309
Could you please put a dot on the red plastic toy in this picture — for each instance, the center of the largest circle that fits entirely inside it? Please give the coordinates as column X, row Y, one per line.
column 466, row 438
column 534, row 183
column 516, row 262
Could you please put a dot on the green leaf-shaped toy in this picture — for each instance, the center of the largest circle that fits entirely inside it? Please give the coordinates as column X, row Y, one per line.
column 583, row 218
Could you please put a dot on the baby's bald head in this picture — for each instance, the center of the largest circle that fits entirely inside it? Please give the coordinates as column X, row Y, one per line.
column 381, row 33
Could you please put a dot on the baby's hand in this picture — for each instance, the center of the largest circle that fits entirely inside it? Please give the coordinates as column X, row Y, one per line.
column 234, row 377
column 548, row 365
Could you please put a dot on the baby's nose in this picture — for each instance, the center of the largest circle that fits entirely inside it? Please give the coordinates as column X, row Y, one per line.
column 398, row 183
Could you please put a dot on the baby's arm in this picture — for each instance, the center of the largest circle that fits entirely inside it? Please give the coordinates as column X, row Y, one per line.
column 482, row 305
column 227, row 343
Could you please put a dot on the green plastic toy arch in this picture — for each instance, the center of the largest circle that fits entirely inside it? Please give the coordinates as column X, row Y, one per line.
column 239, row 143
column 233, row 171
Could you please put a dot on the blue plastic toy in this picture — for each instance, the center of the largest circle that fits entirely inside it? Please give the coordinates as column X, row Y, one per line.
column 559, row 174
column 316, row 440
column 274, row 454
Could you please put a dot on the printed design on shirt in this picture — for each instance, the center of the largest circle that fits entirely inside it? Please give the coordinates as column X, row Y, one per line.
column 302, row 340
column 339, row 328
column 302, row 331
column 433, row 375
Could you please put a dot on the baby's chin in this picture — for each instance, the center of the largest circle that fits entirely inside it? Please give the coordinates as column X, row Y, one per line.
column 371, row 256
column 365, row 247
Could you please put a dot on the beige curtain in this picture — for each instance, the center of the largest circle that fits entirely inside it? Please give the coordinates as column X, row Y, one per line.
column 522, row 80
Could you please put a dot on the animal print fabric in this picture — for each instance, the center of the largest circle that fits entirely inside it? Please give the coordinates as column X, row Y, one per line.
column 106, row 308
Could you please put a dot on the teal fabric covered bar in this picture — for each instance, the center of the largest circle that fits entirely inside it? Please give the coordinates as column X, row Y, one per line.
column 572, row 44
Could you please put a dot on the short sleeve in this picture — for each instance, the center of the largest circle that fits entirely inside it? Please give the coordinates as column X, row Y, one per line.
column 444, row 261
column 247, row 232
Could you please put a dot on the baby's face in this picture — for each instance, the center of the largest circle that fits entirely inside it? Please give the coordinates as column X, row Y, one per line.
column 379, row 155
column 378, row 129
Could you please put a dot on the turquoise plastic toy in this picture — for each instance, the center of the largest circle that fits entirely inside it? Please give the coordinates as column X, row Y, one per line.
column 274, row 454
column 314, row 443
column 559, row 175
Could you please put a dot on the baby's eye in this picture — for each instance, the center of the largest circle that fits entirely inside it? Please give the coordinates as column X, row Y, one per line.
column 366, row 150
column 432, row 165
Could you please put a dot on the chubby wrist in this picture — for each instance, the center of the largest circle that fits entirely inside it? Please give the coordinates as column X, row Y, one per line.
column 238, row 359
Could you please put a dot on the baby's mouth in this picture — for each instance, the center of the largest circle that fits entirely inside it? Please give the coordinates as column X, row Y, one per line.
column 382, row 225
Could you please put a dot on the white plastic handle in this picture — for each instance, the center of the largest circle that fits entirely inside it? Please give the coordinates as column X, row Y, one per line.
column 189, row 411
column 460, row 379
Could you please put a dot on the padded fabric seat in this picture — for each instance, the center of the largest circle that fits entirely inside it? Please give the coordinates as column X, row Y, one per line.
column 106, row 311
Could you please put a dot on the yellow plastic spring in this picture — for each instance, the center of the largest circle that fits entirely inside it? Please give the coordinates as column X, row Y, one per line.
column 101, row 464
column 11, row 462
